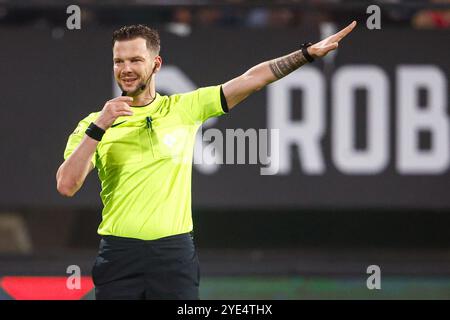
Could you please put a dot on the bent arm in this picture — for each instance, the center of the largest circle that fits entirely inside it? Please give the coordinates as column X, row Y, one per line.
column 72, row 172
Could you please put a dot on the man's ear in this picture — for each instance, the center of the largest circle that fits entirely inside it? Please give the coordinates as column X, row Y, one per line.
column 158, row 63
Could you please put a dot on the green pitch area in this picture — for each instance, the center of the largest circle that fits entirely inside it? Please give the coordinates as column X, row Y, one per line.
column 323, row 288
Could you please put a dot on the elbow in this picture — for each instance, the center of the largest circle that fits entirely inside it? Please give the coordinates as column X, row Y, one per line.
column 254, row 81
column 259, row 86
column 65, row 191
column 64, row 187
column 259, row 83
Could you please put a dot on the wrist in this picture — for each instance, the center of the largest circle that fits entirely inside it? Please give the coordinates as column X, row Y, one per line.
column 95, row 132
column 308, row 52
column 311, row 52
column 101, row 125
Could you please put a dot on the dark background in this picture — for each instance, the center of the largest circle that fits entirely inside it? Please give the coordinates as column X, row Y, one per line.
column 245, row 224
column 54, row 83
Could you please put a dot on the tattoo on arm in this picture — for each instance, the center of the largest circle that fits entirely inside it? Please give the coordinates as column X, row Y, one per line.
column 281, row 67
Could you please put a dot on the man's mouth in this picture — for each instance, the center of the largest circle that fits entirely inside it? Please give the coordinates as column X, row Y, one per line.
column 129, row 81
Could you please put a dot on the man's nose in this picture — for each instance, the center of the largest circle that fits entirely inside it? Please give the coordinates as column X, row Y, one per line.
column 127, row 67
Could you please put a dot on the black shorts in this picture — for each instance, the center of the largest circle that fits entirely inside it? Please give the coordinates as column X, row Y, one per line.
column 165, row 268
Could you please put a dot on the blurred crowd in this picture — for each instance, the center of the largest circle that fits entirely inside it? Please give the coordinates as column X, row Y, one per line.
column 181, row 15
column 317, row 11
column 289, row 16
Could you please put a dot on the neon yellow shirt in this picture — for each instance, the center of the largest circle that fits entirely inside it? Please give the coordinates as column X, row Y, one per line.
column 144, row 163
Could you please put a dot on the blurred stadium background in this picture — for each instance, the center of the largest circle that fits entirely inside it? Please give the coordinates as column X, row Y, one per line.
column 309, row 232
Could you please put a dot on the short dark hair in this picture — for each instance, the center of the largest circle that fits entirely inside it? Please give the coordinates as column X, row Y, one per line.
column 150, row 35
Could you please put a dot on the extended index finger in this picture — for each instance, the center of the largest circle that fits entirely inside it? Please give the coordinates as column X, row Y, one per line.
column 123, row 98
column 341, row 34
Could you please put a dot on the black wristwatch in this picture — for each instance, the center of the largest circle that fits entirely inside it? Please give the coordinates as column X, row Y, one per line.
column 305, row 52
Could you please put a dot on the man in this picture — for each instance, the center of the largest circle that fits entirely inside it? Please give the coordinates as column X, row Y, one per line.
column 142, row 145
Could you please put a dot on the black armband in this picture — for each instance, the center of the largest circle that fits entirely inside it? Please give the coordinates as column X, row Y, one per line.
column 95, row 132
column 307, row 56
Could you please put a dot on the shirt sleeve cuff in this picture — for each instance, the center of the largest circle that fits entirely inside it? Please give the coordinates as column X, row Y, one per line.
column 223, row 101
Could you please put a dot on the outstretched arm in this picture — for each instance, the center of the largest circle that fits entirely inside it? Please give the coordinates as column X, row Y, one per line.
column 267, row 72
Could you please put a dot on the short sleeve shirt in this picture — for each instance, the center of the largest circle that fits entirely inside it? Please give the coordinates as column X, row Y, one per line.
column 144, row 163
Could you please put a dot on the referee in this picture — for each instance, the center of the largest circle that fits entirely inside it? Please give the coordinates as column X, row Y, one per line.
column 142, row 146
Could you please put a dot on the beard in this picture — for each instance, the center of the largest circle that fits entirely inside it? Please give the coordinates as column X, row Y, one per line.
column 142, row 84
column 135, row 92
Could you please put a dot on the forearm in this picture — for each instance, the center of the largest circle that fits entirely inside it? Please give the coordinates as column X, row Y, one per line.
column 261, row 75
column 283, row 66
column 272, row 70
column 264, row 73
column 72, row 173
